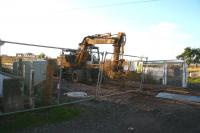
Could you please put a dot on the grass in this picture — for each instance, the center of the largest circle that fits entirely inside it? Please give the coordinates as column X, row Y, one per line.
column 31, row 119
column 194, row 80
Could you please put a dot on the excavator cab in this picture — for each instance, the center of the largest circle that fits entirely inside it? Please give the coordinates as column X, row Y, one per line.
column 93, row 55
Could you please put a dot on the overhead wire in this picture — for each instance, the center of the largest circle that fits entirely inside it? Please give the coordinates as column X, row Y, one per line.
column 114, row 4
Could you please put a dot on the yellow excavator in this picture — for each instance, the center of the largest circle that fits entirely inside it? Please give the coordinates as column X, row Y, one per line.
column 82, row 64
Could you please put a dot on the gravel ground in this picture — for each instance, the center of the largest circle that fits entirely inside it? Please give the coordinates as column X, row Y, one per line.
column 141, row 114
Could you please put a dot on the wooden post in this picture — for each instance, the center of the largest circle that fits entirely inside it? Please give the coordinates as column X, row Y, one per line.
column 47, row 92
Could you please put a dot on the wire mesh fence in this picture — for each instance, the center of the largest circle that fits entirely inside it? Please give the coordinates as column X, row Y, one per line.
column 48, row 77
column 127, row 79
column 139, row 74
column 194, row 76
column 168, row 72
column 30, row 81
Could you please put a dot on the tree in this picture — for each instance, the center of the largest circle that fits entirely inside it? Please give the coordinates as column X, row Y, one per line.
column 41, row 56
column 190, row 55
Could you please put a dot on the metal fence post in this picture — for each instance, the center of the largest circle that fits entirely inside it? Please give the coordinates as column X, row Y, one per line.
column 185, row 75
column 100, row 75
column 164, row 81
column 143, row 72
column 1, row 43
column 60, row 78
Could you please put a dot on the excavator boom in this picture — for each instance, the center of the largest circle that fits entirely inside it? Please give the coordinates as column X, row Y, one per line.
column 118, row 42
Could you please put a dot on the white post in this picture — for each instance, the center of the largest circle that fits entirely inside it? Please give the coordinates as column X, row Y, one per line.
column 185, row 75
column 164, row 81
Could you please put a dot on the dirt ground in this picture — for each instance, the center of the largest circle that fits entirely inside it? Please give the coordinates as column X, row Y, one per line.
column 134, row 114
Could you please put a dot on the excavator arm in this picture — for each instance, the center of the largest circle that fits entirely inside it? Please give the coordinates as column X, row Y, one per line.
column 118, row 42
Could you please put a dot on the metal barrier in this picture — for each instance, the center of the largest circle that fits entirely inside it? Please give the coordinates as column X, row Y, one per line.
column 31, row 82
column 129, row 80
column 166, row 72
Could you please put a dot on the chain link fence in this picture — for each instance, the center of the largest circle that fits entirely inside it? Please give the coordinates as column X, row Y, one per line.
column 194, row 76
column 127, row 79
column 140, row 74
column 31, row 81
column 168, row 72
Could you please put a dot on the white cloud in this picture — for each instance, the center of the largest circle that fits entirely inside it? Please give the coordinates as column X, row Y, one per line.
column 50, row 25
column 161, row 41
column 50, row 22
column 167, row 27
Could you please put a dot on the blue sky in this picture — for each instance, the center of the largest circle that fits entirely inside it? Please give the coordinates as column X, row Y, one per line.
column 159, row 29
